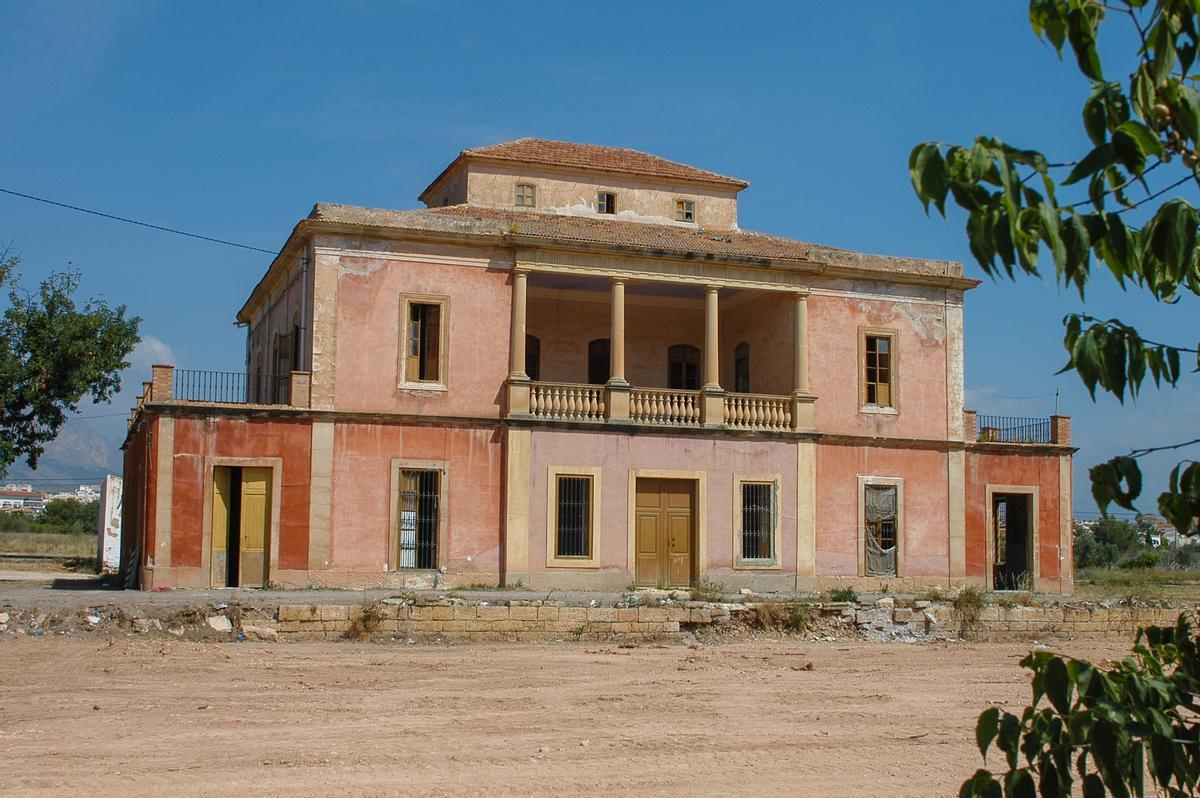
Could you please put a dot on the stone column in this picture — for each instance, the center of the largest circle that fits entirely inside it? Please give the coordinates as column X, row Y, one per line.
column 712, row 397
column 518, row 380
column 802, row 398
column 616, row 405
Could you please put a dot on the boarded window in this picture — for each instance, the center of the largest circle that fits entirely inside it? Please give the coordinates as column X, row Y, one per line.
column 419, row 494
column 758, row 521
column 683, row 367
column 423, row 361
column 685, row 211
column 525, row 197
column 878, row 374
column 599, row 352
column 741, row 368
column 573, row 524
column 606, row 202
column 879, row 511
column 533, row 357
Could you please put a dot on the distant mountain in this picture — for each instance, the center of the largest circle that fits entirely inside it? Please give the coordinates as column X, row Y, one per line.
column 78, row 455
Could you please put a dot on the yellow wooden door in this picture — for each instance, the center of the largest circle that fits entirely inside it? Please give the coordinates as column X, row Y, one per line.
column 664, row 529
column 255, row 524
column 648, row 517
column 677, row 507
column 222, row 501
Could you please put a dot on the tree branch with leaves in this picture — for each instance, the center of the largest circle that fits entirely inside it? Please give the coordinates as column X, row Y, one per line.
column 1144, row 131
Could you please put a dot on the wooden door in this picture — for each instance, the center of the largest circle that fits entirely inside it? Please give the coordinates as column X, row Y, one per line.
column 222, row 503
column 664, row 532
column 255, row 524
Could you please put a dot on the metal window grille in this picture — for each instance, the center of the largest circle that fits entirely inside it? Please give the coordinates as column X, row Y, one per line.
column 758, row 508
column 419, row 499
column 574, row 533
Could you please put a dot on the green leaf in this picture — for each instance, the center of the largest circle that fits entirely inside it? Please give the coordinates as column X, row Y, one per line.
column 1099, row 158
column 1093, row 787
column 928, row 173
column 1009, row 738
column 1020, row 785
column 1144, row 137
column 1128, row 152
column 1083, row 41
column 985, row 729
column 1058, row 684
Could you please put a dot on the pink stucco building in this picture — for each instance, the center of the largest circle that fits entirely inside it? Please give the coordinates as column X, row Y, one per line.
column 573, row 369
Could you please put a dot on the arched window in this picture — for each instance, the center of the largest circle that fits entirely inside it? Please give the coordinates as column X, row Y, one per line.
column 597, row 362
column 533, row 357
column 741, row 368
column 683, row 367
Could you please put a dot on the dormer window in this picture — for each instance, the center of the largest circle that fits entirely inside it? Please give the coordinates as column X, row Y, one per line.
column 685, row 211
column 525, row 197
column 606, row 202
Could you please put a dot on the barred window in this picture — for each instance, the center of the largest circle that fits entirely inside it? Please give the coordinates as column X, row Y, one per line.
column 758, row 521
column 419, row 495
column 573, row 525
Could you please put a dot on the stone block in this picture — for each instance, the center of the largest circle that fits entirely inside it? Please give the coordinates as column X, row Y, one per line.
column 289, row 627
column 700, row 615
column 492, row 613
column 887, row 603
column 902, row 615
column 652, row 615
column 576, row 615
column 334, row 613
column 627, row 614
column 522, row 613
column 678, row 614
column 465, row 613
column 547, row 613
column 454, row 626
column 602, row 614
column 620, row 627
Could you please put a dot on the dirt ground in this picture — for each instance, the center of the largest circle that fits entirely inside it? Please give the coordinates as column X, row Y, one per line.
column 126, row 716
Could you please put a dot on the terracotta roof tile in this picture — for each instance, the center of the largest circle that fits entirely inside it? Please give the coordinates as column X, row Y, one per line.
column 593, row 157
column 678, row 240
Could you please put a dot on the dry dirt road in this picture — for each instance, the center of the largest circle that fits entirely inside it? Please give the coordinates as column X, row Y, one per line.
column 145, row 717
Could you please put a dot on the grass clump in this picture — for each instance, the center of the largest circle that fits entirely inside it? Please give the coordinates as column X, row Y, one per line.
column 779, row 616
column 365, row 622
column 843, row 594
column 968, row 606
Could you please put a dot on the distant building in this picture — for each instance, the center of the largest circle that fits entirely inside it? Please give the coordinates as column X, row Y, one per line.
column 82, row 494
column 28, row 501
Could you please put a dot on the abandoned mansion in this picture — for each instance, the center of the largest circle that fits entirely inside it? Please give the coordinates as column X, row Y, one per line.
column 572, row 369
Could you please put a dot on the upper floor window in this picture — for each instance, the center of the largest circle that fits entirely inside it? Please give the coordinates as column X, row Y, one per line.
column 878, row 369
column 606, row 202
column 525, row 196
column 683, row 367
column 741, row 368
column 424, row 340
column 599, row 352
column 685, row 211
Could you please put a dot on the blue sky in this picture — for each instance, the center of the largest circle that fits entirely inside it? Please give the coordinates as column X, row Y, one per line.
column 232, row 119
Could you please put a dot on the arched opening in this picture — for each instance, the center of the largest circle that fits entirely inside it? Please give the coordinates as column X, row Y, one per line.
column 683, row 367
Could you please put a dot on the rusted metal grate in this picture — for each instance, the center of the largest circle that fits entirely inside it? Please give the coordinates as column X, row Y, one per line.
column 757, row 527
column 419, row 492
column 1011, row 429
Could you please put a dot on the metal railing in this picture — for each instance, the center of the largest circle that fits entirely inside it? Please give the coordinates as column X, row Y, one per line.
column 1008, row 429
column 231, row 387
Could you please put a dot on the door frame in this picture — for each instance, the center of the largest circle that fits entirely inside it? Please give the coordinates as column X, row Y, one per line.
column 1035, row 570
column 276, row 466
column 700, row 513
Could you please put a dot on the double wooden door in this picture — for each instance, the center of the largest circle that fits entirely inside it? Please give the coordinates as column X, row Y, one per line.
column 665, row 532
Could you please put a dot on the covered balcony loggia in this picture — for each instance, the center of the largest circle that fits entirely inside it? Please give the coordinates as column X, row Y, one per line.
column 626, row 350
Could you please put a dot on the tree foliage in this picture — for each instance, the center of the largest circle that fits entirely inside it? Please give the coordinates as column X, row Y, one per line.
column 53, row 354
column 1138, row 124
column 1099, row 729
column 61, row 516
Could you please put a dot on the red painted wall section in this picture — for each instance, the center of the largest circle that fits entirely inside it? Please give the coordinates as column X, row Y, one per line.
column 362, row 468
column 920, row 368
column 719, row 458
column 925, row 526
column 1023, row 470
column 137, row 484
column 369, row 334
column 198, row 438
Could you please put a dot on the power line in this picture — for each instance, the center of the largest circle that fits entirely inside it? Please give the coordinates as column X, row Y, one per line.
column 997, row 396
column 135, row 221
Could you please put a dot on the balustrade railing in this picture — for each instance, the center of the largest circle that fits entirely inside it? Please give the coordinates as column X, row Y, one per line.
column 758, row 411
column 566, row 402
column 653, row 406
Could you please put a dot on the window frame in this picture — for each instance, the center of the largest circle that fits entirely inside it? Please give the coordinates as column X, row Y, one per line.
column 880, row 481
column 893, row 336
column 775, row 563
column 398, row 466
column 684, row 351
column 519, row 195
column 685, row 207
column 553, row 560
column 606, row 202
column 442, row 381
